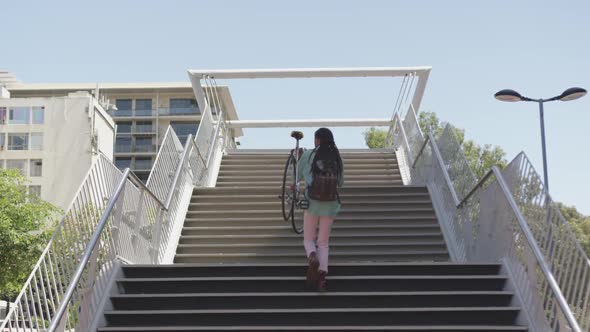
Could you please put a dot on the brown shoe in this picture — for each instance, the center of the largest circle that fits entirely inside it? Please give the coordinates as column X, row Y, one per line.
column 322, row 285
column 312, row 271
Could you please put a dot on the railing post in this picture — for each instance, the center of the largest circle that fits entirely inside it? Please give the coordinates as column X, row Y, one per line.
column 139, row 213
column 84, row 316
column 156, row 232
column 118, row 213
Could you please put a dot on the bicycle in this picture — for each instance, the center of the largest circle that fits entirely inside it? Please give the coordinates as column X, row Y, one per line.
column 291, row 194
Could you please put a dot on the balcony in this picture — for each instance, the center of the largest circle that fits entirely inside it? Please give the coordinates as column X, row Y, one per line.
column 133, row 113
column 145, row 148
column 179, row 111
column 153, row 113
column 137, row 129
column 143, row 165
column 123, row 147
column 136, row 149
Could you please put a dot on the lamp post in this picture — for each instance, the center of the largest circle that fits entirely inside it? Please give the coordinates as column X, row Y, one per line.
column 513, row 96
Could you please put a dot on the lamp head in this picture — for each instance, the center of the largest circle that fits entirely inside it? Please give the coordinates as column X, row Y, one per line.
column 508, row 95
column 572, row 94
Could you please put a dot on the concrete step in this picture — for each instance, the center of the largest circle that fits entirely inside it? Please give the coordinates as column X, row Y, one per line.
column 296, row 270
column 301, row 300
column 271, row 284
column 296, row 248
column 337, row 230
column 280, row 172
column 336, row 256
column 273, row 221
column 290, row 237
column 417, row 328
column 344, row 316
column 423, row 212
column 279, row 178
column 267, row 183
column 275, row 204
column 352, row 191
column 345, row 198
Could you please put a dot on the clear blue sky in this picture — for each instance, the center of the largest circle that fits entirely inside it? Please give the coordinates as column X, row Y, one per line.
column 475, row 48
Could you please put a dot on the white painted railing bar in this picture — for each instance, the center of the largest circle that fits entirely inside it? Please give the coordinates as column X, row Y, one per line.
column 308, row 123
column 189, row 143
column 57, row 319
column 219, row 122
column 309, row 72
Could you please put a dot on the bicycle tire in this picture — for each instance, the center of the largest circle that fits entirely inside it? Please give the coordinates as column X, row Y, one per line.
column 288, row 194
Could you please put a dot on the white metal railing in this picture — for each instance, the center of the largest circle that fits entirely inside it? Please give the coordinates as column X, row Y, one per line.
column 113, row 219
column 489, row 221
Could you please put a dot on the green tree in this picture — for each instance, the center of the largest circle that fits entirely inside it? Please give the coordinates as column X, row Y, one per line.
column 375, row 138
column 26, row 223
column 580, row 224
column 481, row 158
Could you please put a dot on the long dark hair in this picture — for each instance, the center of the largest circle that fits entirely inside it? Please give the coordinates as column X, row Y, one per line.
column 326, row 150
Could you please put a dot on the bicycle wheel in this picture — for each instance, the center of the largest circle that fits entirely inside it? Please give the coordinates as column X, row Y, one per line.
column 288, row 194
column 297, row 222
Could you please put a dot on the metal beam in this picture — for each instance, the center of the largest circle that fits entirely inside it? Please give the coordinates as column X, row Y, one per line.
column 309, row 72
column 309, row 123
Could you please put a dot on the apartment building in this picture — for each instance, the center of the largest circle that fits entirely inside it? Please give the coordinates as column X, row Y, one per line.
column 142, row 113
column 53, row 140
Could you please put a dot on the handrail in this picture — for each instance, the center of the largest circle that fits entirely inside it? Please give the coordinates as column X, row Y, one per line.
column 537, row 252
column 477, row 185
column 421, row 150
column 178, row 170
column 442, row 165
column 137, row 181
column 87, row 253
column 523, row 225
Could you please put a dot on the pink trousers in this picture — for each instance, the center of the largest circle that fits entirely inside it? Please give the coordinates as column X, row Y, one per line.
column 317, row 227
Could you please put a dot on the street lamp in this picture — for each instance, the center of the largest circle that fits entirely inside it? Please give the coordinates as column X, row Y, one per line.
column 513, row 96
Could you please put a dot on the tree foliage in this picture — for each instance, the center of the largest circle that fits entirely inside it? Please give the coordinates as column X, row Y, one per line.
column 481, row 159
column 375, row 138
column 26, row 223
column 580, row 224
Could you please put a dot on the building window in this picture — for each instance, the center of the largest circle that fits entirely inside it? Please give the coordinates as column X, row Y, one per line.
column 36, row 141
column 143, row 163
column 123, row 144
column 124, row 107
column 19, row 115
column 143, row 107
column 144, row 144
column 35, row 191
column 18, row 141
column 123, row 162
column 183, row 129
column 124, row 127
column 38, row 115
column 183, row 106
column 124, row 104
column 2, row 141
column 19, row 164
column 144, row 127
column 36, row 167
column 3, row 116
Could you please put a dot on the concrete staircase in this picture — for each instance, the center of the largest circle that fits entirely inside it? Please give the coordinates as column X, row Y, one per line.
column 240, row 221
column 240, row 267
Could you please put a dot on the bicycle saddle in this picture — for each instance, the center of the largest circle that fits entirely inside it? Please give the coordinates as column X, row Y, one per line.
column 297, row 135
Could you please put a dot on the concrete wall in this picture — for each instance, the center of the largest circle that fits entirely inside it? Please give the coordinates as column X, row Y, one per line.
column 68, row 150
